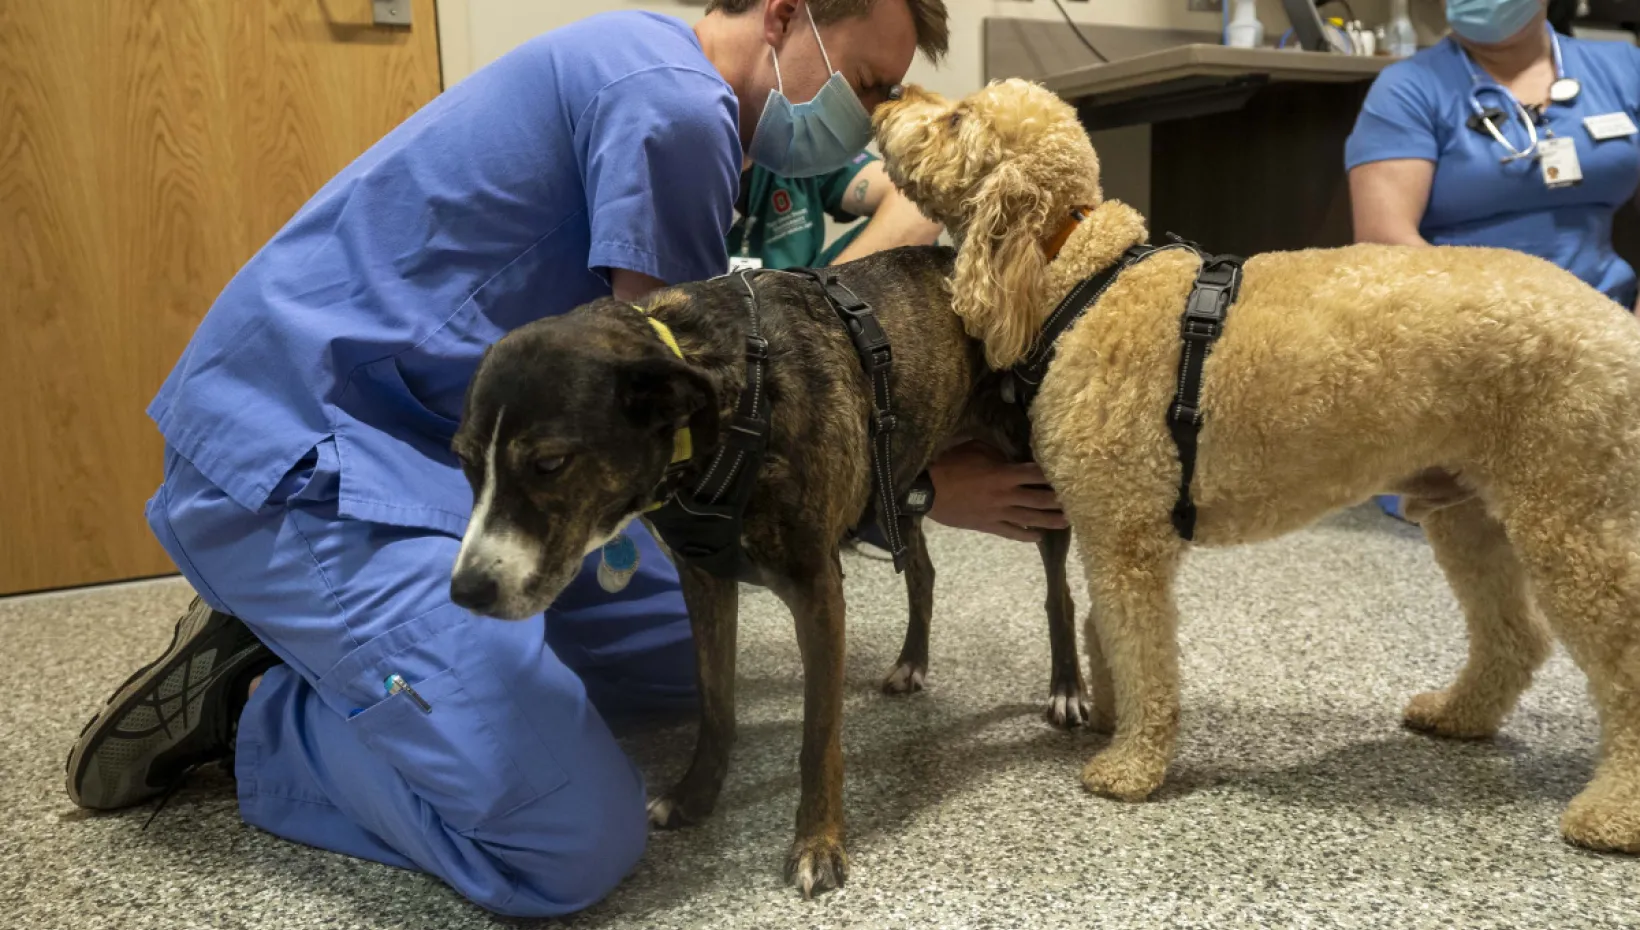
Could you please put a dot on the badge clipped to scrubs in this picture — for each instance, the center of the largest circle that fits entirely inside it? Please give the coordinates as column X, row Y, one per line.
column 1557, row 155
column 739, row 263
column 617, row 563
column 1616, row 125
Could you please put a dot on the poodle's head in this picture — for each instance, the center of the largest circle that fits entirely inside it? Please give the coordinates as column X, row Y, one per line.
column 1001, row 169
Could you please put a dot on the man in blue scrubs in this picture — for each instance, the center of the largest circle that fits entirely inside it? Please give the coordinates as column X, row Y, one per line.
column 311, row 498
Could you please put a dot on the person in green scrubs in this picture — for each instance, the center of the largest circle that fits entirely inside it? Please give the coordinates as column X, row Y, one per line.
column 781, row 223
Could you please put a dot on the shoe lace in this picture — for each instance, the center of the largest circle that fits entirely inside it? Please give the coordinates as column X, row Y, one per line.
column 177, row 781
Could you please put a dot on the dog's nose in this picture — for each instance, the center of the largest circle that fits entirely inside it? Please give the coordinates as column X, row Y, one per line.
column 475, row 591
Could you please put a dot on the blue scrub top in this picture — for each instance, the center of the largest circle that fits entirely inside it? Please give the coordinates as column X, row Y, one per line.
column 609, row 143
column 1419, row 108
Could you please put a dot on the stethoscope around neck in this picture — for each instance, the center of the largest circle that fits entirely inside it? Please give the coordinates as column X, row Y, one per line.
column 1485, row 119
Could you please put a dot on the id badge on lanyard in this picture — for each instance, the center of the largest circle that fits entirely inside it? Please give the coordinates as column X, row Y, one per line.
column 1557, row 159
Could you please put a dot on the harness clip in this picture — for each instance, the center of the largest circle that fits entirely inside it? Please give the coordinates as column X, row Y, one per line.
column 1183, row 413
column 757, row 348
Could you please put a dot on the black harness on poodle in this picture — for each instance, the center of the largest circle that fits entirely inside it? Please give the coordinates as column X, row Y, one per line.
column 1217, row 284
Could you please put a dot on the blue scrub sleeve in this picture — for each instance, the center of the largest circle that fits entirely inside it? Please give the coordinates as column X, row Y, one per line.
column 1397, row 120
column 661, row 153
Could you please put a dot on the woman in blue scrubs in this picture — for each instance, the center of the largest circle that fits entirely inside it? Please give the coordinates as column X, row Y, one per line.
column 1503, row 134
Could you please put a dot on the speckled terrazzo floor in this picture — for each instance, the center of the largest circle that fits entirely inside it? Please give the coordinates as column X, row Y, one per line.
column 1296, row 801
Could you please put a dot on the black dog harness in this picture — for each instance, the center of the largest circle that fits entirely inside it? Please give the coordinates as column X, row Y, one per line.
column 1216, row 286
column 1215, row 289
column 703, row 524
column 877, row 359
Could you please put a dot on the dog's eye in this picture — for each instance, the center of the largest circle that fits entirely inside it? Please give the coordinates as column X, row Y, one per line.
column 550, row 465
column 954, row 118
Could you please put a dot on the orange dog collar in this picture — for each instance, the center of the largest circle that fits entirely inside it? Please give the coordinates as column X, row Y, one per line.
column 1078, row 214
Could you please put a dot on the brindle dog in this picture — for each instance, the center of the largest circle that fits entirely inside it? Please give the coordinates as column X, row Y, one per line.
column 569, row 427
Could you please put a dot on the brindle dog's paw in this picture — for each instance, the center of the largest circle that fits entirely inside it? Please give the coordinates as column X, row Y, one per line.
column 817, row 863
column 666, row 813
column 1067, row 708
column 906, row 678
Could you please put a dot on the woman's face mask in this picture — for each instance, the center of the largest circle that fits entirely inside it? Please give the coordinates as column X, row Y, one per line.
column 1488, row 22
column 801, row 140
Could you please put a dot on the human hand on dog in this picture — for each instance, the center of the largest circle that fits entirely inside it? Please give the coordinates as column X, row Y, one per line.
column 975, row 488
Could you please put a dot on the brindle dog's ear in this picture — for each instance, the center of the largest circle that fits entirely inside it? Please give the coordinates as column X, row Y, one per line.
column 658, row 391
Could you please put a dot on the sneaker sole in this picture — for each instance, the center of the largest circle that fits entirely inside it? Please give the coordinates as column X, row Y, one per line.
column 86, row 787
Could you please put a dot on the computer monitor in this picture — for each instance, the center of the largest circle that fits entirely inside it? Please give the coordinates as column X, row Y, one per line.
column 1306, row 20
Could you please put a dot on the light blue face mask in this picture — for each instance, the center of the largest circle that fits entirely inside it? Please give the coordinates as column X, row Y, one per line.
column 801, row 140
column 1488, row 22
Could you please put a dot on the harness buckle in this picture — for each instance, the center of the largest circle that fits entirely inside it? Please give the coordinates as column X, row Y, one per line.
column 1182, row 412
column 757, row 348
column 1201, row 330
column 755, row 431
column 886, row 422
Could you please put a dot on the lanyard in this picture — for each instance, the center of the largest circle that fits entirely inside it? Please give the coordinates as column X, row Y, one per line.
column 1562, row 90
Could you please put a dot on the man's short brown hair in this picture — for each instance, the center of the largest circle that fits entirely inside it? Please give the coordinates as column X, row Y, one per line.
column 933, row 32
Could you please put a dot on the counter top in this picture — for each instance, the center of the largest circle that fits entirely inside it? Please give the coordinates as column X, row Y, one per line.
column 1133, row 75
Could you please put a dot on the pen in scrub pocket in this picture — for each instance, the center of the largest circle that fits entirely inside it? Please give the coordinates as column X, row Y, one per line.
column 395, row 683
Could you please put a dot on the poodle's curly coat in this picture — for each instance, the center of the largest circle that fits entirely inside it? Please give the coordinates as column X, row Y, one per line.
column 1498, row 392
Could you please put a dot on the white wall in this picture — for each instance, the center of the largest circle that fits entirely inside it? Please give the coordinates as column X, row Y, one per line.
column 474, row 33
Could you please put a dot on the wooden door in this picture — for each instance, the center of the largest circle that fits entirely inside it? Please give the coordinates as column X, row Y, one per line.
column 147, row 149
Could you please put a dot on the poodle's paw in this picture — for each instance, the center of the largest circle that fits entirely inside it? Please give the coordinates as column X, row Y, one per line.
column 1604, row 817
column 1067, row 708
column 668, row 813
column 1124, row 774
column 817, row 863
column 1438, row 713
column 1101, row 717
column 906, row 678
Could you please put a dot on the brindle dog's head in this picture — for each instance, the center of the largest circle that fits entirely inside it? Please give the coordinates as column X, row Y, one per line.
column 568, row 430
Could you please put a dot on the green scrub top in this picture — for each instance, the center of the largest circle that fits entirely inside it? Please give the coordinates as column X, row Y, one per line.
column 782, row 221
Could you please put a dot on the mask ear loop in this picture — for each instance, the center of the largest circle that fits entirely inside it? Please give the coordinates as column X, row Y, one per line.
column 810, row 10
column 780, row 84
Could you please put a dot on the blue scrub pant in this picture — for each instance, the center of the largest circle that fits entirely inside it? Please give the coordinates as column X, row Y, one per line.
column 511, row 788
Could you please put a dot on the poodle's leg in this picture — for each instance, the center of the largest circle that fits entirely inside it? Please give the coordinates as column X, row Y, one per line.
column 912, row 666
column 1100, row 704
column 1067, row 707
column 1130, row 580
column 1507, row 638
column 1585, row 571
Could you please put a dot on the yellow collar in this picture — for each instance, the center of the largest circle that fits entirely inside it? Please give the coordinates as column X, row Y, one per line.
column 683, row 445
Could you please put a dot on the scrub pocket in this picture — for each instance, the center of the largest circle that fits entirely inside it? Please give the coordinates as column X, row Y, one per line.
column 454, row 755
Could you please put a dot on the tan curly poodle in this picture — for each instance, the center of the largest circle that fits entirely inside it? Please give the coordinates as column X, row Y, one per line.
column 1496, row 391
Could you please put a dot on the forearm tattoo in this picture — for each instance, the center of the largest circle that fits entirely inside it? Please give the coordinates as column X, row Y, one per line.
column 860, row 191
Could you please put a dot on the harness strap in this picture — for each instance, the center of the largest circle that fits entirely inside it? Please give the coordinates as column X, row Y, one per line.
column 1215, row 290
column 877, row 359
column 1023, row 380
column 703, row 525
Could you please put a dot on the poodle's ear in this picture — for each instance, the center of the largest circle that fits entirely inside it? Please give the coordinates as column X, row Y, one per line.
column 1001, row 271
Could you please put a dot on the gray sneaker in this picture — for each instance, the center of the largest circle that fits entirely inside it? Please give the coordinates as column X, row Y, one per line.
column 175, row 714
